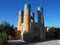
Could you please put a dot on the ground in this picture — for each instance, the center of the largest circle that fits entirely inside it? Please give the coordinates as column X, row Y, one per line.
column 50, row 42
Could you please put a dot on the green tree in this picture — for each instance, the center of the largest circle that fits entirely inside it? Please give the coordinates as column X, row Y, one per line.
column 54, row 32
column 8, row 28
column 3, row 39
column 5, row 30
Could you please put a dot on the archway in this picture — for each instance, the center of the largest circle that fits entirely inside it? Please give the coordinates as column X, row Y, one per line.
column 35, row 38
column 36, row 34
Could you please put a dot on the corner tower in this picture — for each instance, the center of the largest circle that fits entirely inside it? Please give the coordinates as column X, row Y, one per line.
column 26, row 22
column 32, row 17
column 20, row 20
column 40, row 15
column 41, row 23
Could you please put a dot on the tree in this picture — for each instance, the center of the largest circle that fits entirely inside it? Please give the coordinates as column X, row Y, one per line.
column 11, row 31
column 3, row 39
column 8, row 28
column 54, row 32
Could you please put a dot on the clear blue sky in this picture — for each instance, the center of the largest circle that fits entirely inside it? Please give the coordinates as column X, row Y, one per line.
column 9, row 10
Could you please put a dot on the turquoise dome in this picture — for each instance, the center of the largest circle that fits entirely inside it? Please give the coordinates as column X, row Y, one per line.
column 40, row 9
column 27, row 6
column 20, row 12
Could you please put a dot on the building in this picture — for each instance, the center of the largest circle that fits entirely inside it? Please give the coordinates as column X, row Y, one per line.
column 30, row 30
column 47, row 29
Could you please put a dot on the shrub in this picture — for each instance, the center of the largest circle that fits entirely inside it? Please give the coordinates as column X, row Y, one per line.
column 3, row 38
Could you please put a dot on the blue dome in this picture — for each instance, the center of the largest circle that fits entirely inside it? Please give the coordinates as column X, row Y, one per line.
column 40, row 9
column 20, row 12
column 27, row 6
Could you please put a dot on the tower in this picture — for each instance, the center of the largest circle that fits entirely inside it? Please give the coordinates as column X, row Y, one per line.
column 20, row 20
column 19, row 29
column 32, row 17
column 40, row 15
column 41, row 23
column 31, row 22
column 26, row 22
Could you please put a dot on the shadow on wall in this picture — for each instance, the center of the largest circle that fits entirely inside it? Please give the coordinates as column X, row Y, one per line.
column 29, row 37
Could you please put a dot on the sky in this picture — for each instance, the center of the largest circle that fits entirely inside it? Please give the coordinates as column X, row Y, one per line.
column 51, row 10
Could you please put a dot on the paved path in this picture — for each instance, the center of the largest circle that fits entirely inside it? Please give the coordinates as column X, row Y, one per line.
column 51, row 42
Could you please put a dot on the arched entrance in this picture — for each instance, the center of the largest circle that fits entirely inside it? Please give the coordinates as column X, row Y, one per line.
column 35, row 38
column 36, row 34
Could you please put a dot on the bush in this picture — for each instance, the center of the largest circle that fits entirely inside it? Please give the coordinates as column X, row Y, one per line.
column 54, row 32
column 3, row 38
column 8, row 28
